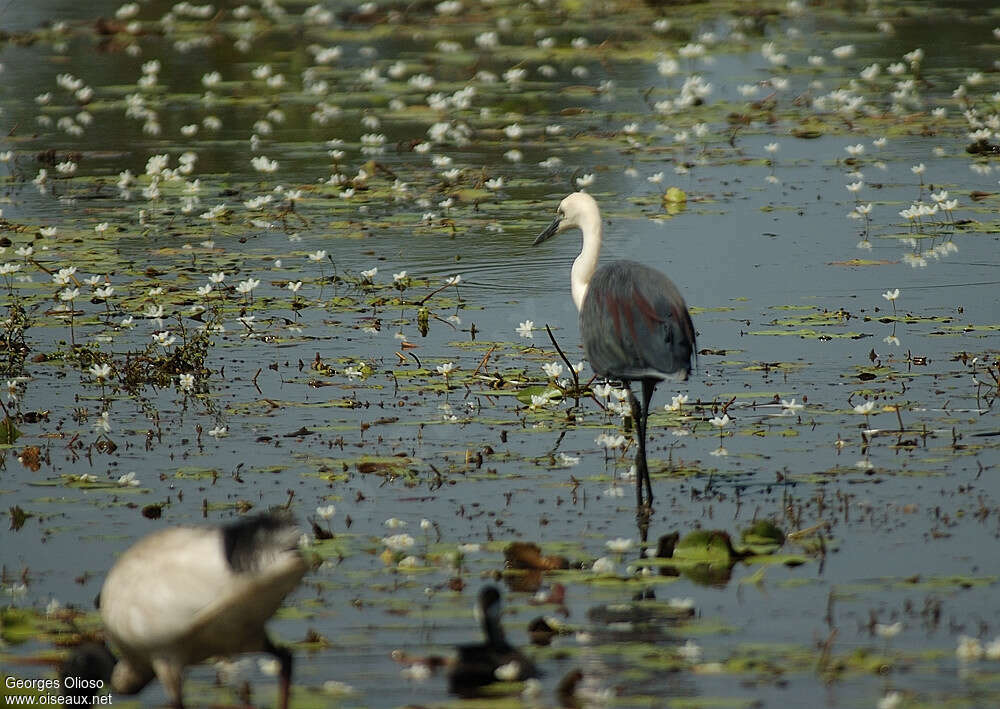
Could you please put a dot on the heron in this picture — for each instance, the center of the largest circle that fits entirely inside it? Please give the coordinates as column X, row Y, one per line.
column 184, row 594
column 496, row 659
column 634, row 322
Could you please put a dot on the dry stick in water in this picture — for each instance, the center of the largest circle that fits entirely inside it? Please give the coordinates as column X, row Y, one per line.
column 576, row 379
column 485, row 360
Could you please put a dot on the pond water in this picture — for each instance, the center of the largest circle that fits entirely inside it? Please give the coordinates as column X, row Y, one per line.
column 438, row 139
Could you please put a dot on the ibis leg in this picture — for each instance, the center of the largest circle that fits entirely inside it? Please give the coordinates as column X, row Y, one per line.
column 284, row 656
column 171, row 676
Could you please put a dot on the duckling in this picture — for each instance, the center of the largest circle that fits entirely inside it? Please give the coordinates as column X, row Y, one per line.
column 184, row 594
column 481, row 664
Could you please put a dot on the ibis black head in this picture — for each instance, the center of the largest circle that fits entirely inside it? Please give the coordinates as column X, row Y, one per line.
column 86, row 665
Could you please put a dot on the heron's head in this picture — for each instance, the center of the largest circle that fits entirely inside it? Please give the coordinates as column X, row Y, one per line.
column 575, row 211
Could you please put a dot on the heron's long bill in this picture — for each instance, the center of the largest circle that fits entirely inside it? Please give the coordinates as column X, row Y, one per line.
column 550, row 231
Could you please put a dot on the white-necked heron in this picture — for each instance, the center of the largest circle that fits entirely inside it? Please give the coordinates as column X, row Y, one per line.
column 184, row 594
column 492, row 661
column 634, row 322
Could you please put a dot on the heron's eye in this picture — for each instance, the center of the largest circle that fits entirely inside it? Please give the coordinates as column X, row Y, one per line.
column 560, row 214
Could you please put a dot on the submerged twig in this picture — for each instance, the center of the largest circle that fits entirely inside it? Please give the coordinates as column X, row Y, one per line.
column 576, row 379
column 484, row 361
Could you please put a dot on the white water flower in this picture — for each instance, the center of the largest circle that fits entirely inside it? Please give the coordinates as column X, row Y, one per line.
column 992, row 649
column 248, row 285
column 969, row 649
column 418, row 672
column 605, row 566
column 262, row 164
column 690, row 651
column 791, row 406
column 513, row 131
column 888, row 631
column 63, row 275
column 891, row 700
column 100, row 371
column 164, row 338
column 103, row 423
column 553, row 369
column 676, row 402
column 567, row 461
column 720, row 421
column 398, row 542
column 681, row 604
column 619, row 545
column 538, row 400
column 611, row 442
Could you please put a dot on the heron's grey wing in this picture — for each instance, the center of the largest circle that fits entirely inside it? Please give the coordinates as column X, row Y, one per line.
column 635, row 324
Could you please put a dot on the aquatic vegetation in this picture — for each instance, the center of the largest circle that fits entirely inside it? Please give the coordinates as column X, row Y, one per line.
column 278, row 254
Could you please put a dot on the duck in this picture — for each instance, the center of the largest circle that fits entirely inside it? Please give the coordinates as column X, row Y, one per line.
column 184, row 594
column 481, row 664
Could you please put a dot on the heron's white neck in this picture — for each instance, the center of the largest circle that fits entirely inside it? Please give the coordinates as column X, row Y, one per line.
column 586, row 263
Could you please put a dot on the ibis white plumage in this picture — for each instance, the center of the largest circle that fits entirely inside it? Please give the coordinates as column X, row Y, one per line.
column 184, row 594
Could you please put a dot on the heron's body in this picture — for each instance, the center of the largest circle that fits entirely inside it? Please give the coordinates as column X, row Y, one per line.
column 634, row 322
column 477, row 664
column 184, row 594
column 635, row 325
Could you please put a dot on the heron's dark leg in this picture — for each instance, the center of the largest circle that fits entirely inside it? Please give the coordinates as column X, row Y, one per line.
column 639, row 421
column 648, row 385
column 284, row 656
